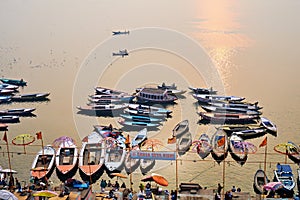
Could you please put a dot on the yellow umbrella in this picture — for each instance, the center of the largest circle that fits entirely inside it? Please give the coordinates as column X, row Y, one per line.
column 23, row 140
column 45, row 193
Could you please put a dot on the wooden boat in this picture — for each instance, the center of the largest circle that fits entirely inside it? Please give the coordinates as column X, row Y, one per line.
column 31, row 97
column 260, row 179
column 230, row 110
column 180, row 128
column 91, row 157
column 114, row 158
column 44, row 163
column 219, row 143
column 145, row 113
column 108, row 131
column 184, row 143
column 205, row 98
column 295, row 156
column 230, row 118
column 107, row 91
column 66, row 160
column 120, row 32
column 5, row 99
column 17, row 111
column 140, row 118
column 250, row 133
column 243, row 105
column 8, row 86
column 163, row 86
column 270, row 126
column 20, row 82
column 203, row 90
column 131, row 164
column 102, row 109
column 284, row 174
column 203, row 146
column 9, row 119
column 153, row 95
column 6, row 92
column 132, row 124
column 146, row 165
column 106, row 99
column 150, row 109
column 236, row 151
column 140, row 137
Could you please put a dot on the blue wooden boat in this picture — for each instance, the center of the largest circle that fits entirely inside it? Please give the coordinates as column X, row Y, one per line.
column 5, row 99
column 151, row 109
column 20, row 82
column 145, row 113
column 8, row 86
column 284, row 174
column 140, row 137
column 136, row 124
column 141, row 118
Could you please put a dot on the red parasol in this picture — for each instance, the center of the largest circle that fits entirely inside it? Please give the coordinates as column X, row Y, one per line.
column 23, row 140
column 151, row 143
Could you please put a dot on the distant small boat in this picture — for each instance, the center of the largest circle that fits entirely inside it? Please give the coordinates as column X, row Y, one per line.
column 270, row 126
column 66, row 160
column 203, row 146
column 20, row 82
column 202, row 98
column 219, row 143
column 107, row 131
column 180, row 128
column 44, row 163
column 3, row 127
column 9, row 119
column 230, row 110
column 102, row 109
column 140, row 137
column 120, row 32
column 131, row 164
column 6, row 92
column 137, row 124
column 155, row 96
column 230, row 118
column 184, row 143
column 139, row 118
column 171, row 89
column 150, row 109
column 91, row 157
column 121, row 53
column 107, row 91
column 284, row 174
column 17, row 111
column 31, row 97
column 116, row 98
column 260, row 179
column 250, row 133
column 203, row 90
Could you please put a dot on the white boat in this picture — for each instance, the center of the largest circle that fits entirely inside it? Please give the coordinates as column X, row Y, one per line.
column 230, row 110
column 131, row 164
column 203, row 146
column 121, row 53
column 140, row 137
column 219, row 143
column 184, row 143
column 114, row 158
column 151, row 109
column 91, row 157
column 237, row 152
column 181, row 128
column 244, row 105
column 44, row 163
column 260, row 179
column 120, row 32
column 270, row 126
column 250, row 133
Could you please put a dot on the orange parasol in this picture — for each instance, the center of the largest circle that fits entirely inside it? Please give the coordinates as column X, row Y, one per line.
column 151, row 143
column 119, row 175
column 159, row 179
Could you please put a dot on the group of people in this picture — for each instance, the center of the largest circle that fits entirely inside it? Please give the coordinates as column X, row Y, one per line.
column 228, row 194
column 11, row 183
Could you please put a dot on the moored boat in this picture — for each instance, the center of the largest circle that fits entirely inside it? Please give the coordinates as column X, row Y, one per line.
column 108, row 131
column 270, row 126
column 5, row 99
column 230, row 118
column 284, row 174
column 184, row 142
column 44, row 163
column 17, row 111
column 9, row 119
column 91, row 157
column 108, row 109
column 244, row 105
column 140, row 118
column 237, row 151
column 153, row 95
column 202, row 98
column 136, row 124
column 131, row 164
column 108, row 91
column 203, row 90
column 114, row 158
column 8, row 86
column 31, row 97
column 20, row 82
column 66, row 159
column 146, row 165
column 139, row 138
column 260, row 179
column 203, row 146
column 219, row 143
column 181, row 128
column 230, row 110
column 145, row 113
column 6, row 92
column 3, row 127
column 250, row 133
column 150, row 109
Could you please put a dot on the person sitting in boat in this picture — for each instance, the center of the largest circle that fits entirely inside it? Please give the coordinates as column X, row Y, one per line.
column 233, row 189
column 117, row 185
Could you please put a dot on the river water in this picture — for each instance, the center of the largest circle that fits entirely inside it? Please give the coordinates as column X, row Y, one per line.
column 241, row 48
